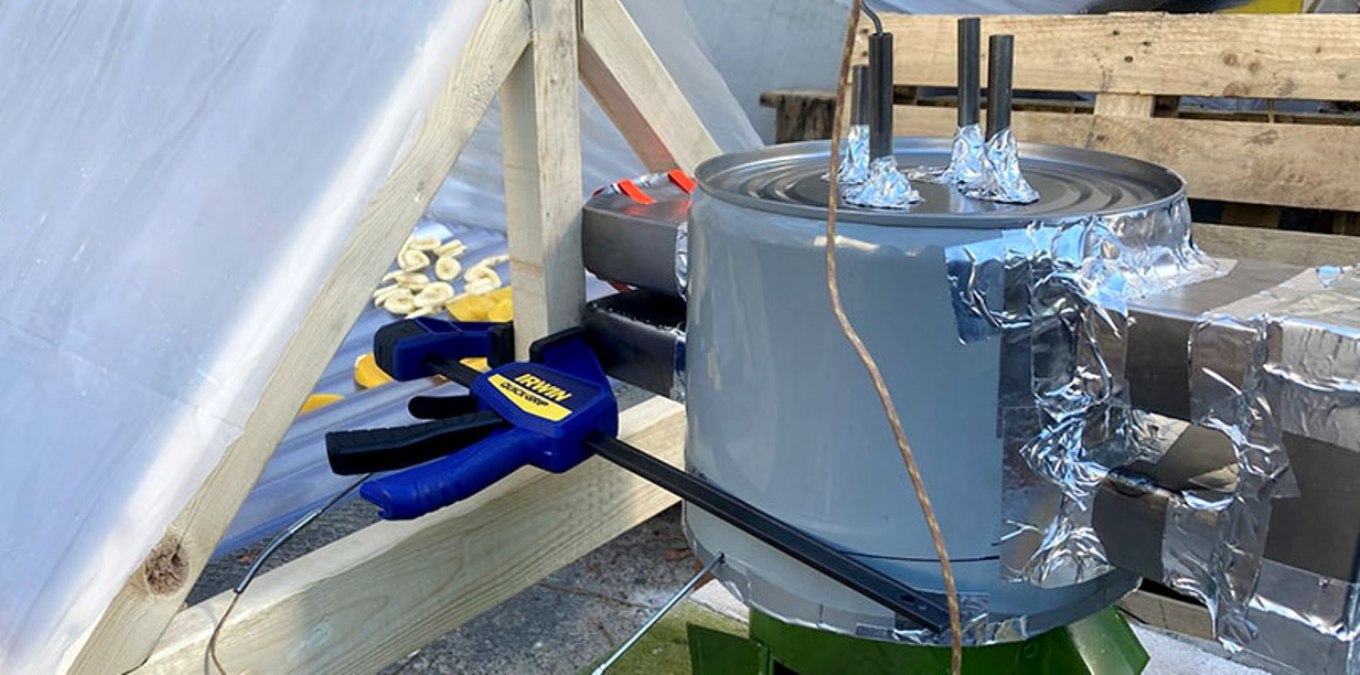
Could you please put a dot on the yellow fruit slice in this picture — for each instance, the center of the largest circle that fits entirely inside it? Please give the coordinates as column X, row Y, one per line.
column 503, row 312
column 318, row 401
column 367, row 374
column 471, row 307
column 500, row 294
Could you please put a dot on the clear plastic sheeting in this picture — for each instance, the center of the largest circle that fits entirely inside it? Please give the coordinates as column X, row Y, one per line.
column 1000, row 179
column 177, row 181
column 886, row 187
column 474, row 193
column 966, row 160
column 1056, row 296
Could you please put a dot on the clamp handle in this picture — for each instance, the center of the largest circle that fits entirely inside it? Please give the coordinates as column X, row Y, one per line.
column 418, row 491
column 374, row 450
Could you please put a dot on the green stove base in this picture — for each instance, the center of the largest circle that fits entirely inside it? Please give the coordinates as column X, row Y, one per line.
column 1101, row 644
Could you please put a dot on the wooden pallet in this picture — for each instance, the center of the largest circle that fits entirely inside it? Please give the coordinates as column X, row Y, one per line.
column 370, row 598
column 1138, row 67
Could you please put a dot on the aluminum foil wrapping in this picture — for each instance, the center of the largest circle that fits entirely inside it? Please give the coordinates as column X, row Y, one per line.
column 978, row 627
column 682, row 260
column 677, row 392
column 1055, row 295
column 1001, row 179
column 1282, row 360
column 966, row 159
column 854, row 165
column 886, row 187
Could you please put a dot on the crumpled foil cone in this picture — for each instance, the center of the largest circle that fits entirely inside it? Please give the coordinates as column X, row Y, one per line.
column 885, row 188
column 966, row 160
column 1001, row 180
column 854, row 157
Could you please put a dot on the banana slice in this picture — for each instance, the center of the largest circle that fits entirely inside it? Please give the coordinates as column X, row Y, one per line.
column 434, row 295
column 454, row 247
column 447, row 268
column 481, row 276
column 415, row 283
column 422, row 243
column 411, row 260
column 382, row 294
column 493, row 260
column 423, row 311
column 400, row 302
column 478, row 287
column 399, row 277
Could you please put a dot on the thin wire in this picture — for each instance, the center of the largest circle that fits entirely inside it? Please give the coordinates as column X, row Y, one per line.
column 881, row 386
column 675, row 600
column 873, row 16
column 254, row 569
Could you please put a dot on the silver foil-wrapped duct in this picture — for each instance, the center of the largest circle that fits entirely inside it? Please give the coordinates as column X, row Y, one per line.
column 1001, row 179
column 1056, row 296
column 965, row 160
column 886, row 187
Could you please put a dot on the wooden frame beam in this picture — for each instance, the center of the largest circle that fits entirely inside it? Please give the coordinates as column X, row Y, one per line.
column 627, row 78
column 129, row 628
column 541, row 149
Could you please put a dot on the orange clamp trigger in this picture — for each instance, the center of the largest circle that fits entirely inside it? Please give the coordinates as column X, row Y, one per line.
column 631, row 189
column 681, row 180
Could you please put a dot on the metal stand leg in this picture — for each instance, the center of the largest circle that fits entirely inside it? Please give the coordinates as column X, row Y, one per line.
column 675, row 600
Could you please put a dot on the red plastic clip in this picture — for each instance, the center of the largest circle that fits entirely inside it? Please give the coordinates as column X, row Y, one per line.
column 681, row 180
column 631, row 189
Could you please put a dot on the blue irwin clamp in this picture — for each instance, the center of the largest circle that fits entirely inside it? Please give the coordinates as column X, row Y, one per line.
column 525, row 414
column 552, row 413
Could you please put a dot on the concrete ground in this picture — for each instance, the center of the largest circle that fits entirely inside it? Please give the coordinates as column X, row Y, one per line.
column 560, row 625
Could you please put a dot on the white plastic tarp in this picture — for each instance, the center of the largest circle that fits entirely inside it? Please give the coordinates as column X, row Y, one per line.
column 176, row 180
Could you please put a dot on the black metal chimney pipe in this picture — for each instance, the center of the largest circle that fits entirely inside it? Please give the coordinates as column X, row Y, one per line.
column 859, row 95
column 1001, row 55
column 970, row 70
column 880, row 95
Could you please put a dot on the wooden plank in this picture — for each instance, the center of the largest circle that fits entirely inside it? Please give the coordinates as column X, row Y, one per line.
column 1308, row 57
column 1173, row 614
column 801, row 115
column 135, row 619
column 541, row 149
column 629, row 81
column 1125, row 105
column 1249, row 162
column 1294, row 248
column 365, row 601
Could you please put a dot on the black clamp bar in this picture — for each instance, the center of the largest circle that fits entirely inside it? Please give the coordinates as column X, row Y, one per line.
column 920, row 608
